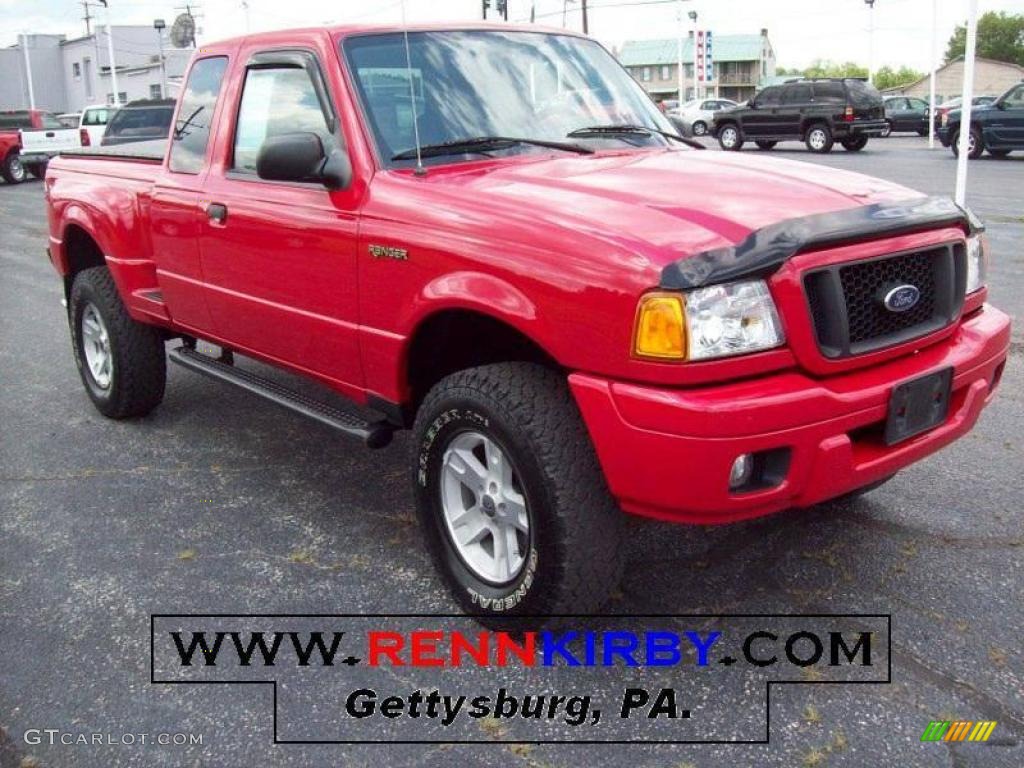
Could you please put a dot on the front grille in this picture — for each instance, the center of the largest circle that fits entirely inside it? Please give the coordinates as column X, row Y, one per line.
column 846, row 301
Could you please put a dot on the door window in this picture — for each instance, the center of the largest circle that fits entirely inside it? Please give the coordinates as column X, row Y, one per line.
column 1015, row 98
column 769, row 97
column 195, row 115
column 276, row 101
column 797, row 94
column 832, row 93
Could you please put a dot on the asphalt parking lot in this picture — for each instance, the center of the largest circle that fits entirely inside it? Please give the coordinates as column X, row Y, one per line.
column 217, row 504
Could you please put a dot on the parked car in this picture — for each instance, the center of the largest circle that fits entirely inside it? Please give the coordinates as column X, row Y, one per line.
column 93, row 124
column 591, row 317
column 142, row 120
column 41, row 137
column 905, row 113
column 997, row 127
column 817, row 112
column 943, row 109
column 698, row 115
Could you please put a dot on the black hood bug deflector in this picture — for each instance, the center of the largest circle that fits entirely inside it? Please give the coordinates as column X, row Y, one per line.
column 765, row 250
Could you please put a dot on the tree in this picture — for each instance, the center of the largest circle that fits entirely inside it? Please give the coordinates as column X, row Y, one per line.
column 1000, row 37
column 887, row 77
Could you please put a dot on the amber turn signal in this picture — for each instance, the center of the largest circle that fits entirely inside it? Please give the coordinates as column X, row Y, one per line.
column 660, row 327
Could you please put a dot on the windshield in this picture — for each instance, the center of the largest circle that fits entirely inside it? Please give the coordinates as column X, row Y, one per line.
column 469, row 84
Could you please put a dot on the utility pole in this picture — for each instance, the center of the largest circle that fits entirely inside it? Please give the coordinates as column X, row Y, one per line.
column 931, row 78
column 110, row 55
column 679, row 54
column 966, row 106
column 28, row 71
column 586, row 30
column 693, row 18
column 159, row 25
column 87, row 18
column 871, row 39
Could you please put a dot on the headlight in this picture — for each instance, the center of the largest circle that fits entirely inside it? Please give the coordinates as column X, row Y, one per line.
column 977, row 262
column 719, row 321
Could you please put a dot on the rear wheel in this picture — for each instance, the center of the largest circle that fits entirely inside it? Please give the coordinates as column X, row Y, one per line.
column 511, row 499
column 855, row 144
column 819, row 138
column 729, row 138
column 975, row 144
column 887, row 130
column 12, row 170
column 121, row 361
column 766, row 145
column 700, row 128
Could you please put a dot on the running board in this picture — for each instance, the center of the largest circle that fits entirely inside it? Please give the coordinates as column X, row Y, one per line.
column 376, row 434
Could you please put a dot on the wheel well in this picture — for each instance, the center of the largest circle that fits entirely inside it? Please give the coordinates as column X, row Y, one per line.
column 82, row 252
column 454, row 340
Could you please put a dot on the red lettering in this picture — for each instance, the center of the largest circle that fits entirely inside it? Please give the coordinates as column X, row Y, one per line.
column 424, row 649
column 479, row 653
column 525, row 652
column 386, row 644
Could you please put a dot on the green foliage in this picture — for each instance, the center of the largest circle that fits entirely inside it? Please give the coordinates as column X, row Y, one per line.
column 887, row 77
column 1000, row 37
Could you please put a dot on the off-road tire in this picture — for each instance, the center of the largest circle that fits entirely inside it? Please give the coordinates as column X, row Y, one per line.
column 810, row 138
column 574, row 557
column 11, row 169
column 138, row 363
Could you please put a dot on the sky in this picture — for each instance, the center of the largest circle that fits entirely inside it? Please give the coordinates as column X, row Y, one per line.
column 800, row 30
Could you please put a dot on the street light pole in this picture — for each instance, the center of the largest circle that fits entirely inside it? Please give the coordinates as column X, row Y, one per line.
column 966, row 107
column 159, row 25
column 28, row 71
column 931, row 83
column 871, row 39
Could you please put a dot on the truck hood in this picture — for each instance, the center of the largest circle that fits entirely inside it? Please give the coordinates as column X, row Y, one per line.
column 662, row 205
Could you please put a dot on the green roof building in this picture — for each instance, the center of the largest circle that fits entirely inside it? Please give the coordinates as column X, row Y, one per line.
column 742, row 63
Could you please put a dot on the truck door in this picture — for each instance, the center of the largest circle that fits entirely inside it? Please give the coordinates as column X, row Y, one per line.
column 175, row 220
column 279, row 258
column 760, row 118
column 1007, row 119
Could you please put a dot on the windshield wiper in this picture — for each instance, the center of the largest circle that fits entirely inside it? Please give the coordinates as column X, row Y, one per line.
column 628, row 128
column 485, row 144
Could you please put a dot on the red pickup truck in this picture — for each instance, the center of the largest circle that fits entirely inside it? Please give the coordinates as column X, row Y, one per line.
column 491, row 236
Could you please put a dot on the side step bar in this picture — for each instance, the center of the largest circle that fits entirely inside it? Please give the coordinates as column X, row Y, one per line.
column 376, row 434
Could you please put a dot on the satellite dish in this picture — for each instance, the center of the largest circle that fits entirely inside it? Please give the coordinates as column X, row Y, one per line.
column 183, row 31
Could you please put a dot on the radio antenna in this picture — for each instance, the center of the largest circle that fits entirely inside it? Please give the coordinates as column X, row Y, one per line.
column 420, row 170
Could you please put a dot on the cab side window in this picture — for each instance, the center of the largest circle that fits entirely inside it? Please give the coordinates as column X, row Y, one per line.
column 797, row 94
column 191, row 132
column 769, row 97
column 277, row 100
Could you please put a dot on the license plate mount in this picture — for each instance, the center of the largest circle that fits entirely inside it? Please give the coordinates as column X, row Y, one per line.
column 918, row 405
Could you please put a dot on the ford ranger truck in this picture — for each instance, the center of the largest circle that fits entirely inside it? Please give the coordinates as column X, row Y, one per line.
column 490, row 236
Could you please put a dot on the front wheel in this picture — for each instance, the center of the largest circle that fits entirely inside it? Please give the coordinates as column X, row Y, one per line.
column 819, row 138
column 510, row 496
column 729, row 138
column 121, row 361
column 12, row 170
column 766, row 145
column 975, row 144
column 699, row 128
column 855, row 144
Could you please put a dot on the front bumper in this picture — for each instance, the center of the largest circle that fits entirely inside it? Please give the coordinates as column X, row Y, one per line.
column 666, row 453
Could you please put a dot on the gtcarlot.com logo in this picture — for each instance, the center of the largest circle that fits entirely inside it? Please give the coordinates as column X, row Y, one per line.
column 958, row 730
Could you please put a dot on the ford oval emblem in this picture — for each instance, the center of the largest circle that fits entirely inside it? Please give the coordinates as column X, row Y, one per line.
column 902, row 298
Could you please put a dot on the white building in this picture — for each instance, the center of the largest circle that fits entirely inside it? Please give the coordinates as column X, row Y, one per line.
column 67, row 74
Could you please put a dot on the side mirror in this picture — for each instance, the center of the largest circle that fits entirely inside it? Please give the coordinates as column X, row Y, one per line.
column 301, row 157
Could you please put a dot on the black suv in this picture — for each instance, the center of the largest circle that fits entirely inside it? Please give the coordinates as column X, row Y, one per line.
column 142, row 120
column 817, row 112
column 997, row 127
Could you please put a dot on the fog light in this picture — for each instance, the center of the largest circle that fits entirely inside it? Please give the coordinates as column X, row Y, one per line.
column 741, row 471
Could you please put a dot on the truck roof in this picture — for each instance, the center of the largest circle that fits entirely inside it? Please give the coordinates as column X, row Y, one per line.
column 348, row 30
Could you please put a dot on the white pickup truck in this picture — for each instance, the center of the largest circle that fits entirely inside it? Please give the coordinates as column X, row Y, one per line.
column 46, row 139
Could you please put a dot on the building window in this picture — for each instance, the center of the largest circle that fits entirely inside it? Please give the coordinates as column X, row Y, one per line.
column 645, row 74
column 666, row 73
column 122, row 98
column 155, row 92
column 87, row 67
column 76, row 70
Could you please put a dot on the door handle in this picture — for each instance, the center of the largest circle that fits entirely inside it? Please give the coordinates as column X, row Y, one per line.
column 50, row 134
column 217, row 212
